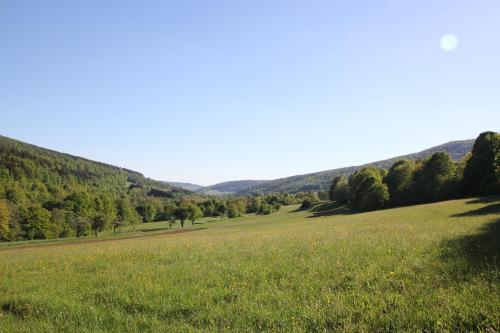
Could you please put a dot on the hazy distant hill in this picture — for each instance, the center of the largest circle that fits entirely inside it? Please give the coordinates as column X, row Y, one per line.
column 230, row 187
column 321, row 180
column 186, row 186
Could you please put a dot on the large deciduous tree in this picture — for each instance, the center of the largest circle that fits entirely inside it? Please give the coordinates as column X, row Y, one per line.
column 194, row 213
column 367, row 191
column 99, row 223
column 435, row 178
column 182, row 213
column 399, row 181
column 482, row 171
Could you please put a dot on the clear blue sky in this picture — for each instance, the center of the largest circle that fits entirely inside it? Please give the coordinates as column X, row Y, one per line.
column 207, row 91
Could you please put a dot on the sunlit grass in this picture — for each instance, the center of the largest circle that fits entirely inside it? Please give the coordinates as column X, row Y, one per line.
column 429, row 268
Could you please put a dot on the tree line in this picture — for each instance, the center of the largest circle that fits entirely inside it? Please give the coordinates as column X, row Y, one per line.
column 431, row 179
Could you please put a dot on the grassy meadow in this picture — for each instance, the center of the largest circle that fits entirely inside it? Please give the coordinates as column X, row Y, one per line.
column 432, row 268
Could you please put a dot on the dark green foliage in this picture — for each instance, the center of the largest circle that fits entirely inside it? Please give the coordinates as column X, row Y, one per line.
column 209, row 207
column 323, row 195
column 276, row 200
column 375, row 198
column 160, row 193
column 147, row 211
column 399, row 180
column 265, row 209
column 309, row 199
column 253, row 204
column 482, row 172
column 232, row 210
column 82, row 225
column 339, row 190
column 306, row 204
column 168, row 213
column 236, row 207
column 331, row 191
column 272, row 202
column 106, row 208
column 432, row 179
column 37, row 223
column 117, row 224
column 4, row 220
column 221, row 209
column 63, row 219
column 194, row 213
column 80, row 203
column 182, row 213
column 126, row 213
column 367, row 191
column 14, row 222
column 435, row 179
column 99, row 223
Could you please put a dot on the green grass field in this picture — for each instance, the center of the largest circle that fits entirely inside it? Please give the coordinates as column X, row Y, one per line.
column 429, row 268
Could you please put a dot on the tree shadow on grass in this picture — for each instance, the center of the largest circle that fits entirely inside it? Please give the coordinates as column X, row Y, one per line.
column 484, row 200
column 342, row 210
column 479, row 251
column 486, row 210
column 324, row 206
column 170, row 229
column 475, row 253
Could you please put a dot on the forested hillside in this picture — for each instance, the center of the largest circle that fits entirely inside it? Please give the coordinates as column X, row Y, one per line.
column 321, row 180
column 49, row 194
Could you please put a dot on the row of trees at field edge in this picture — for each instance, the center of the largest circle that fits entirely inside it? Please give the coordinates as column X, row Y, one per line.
column 432, row 179
column 81, row 213
column 47, row 194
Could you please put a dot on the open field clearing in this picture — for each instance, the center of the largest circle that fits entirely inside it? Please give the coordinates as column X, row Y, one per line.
column 432, row 267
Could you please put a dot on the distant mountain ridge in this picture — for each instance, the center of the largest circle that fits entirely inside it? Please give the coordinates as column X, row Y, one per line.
column 230, row 187
column 321, row 180
column 224, row 188
column 186, row 186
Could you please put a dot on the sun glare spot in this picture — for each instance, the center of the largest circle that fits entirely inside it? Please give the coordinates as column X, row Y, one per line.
column 449, row 42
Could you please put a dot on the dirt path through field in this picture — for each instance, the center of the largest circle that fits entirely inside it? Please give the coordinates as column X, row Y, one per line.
column 91, row 241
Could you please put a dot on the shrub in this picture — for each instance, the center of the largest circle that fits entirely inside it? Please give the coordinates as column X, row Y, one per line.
column 306, row 204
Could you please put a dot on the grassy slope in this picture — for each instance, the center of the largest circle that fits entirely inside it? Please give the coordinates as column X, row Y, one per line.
column 431, row 267
column 137, row 231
